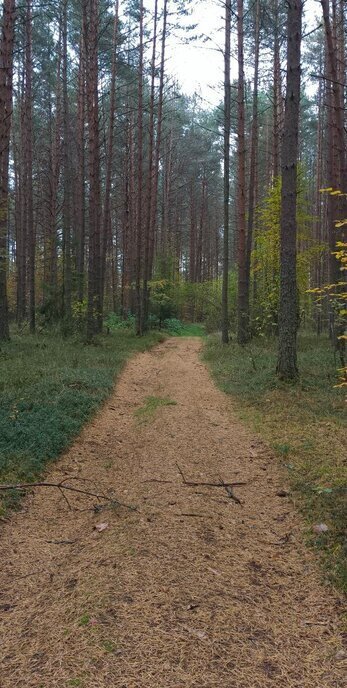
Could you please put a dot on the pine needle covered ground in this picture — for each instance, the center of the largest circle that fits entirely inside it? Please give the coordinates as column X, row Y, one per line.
column 192, row 589
column 303, row 423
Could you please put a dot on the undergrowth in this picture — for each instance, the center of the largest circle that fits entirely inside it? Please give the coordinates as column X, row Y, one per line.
column 304, row 424
column 49, row 387
column 171, row 326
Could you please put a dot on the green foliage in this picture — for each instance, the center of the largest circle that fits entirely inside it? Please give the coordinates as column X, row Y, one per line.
column 115, row 322
column 304, row 422
column 162, row 304
column 201, row 302
column 49, row 388
column 266, row 257
column 173, row 326
column 79, row 315
column 147, row 411
column 176, row 328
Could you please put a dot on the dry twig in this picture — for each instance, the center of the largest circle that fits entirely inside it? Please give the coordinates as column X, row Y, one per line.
column 62, row 486
column 227, row 486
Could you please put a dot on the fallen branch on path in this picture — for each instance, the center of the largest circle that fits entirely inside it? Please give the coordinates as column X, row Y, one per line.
column 230, row 493
column 62, row 486
column 61, row 542
column 194, row 515
column 227, row 486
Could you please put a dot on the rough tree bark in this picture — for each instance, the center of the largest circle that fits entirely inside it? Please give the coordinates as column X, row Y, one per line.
column 243, row 291
column 6, row 79
column 80, row 172
column 67, row 176
column 253, row 166
column 276, row 93
column 94, row 259
column 139, row 179
column 227, row 98
column 337, row 158
column 288, row 306
column 150, row 179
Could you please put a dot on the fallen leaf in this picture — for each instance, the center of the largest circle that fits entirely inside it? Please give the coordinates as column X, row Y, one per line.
column 100, row 527
column 320, row 528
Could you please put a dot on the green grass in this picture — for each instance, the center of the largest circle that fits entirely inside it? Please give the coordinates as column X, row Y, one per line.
column 178, row 328
column 304, row 424
column 147, row 411
column 191, row 330
column 50, row 387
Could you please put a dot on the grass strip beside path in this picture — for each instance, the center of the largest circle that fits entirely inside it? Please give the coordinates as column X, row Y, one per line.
column 49, row 388
column 303, row 423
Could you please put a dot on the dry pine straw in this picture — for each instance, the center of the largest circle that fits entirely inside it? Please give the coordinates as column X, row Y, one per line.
column 225, row 596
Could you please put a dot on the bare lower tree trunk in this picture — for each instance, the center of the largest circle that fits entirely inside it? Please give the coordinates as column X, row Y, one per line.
column 67, row 177
column 276, row 93
column 6, row 79
column 227, row 98
column 337, row 208
column 243, row 288
column 150, row 180
column 106, row 223
column 139, row 227
column 29, row 165
column 55, row 160
column 288, row 305
column 253, row 166
column 21, row 243
column 94, row 264
column 80, row 172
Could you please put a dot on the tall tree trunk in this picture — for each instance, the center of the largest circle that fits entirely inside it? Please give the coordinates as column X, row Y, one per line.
column 6, row 80
column 227, row 124
column 154, row 195
column 139, row 227
column 150, row 179
column 28, row 157
column 94, row 258
column 53, row 176
column 21, row 243
column 337, row 158
column 80, row 172
column 243, row 287
column 106, row 223
column 288, row 305
column 253, row 166
column 67, row 177
column 277, row 94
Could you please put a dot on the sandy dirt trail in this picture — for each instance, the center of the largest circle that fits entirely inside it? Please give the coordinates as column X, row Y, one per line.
column 192, row 589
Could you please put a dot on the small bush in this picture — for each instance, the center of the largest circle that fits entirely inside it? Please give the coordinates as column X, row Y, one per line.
column 173, row 326
column 115, row 322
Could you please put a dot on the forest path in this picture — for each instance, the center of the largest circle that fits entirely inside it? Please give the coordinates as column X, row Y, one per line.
column 192, row 589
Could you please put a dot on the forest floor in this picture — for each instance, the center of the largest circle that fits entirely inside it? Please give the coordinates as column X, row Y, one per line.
column 192, row 589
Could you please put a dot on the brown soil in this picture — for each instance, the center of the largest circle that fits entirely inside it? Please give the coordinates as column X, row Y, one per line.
column 192, row 589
